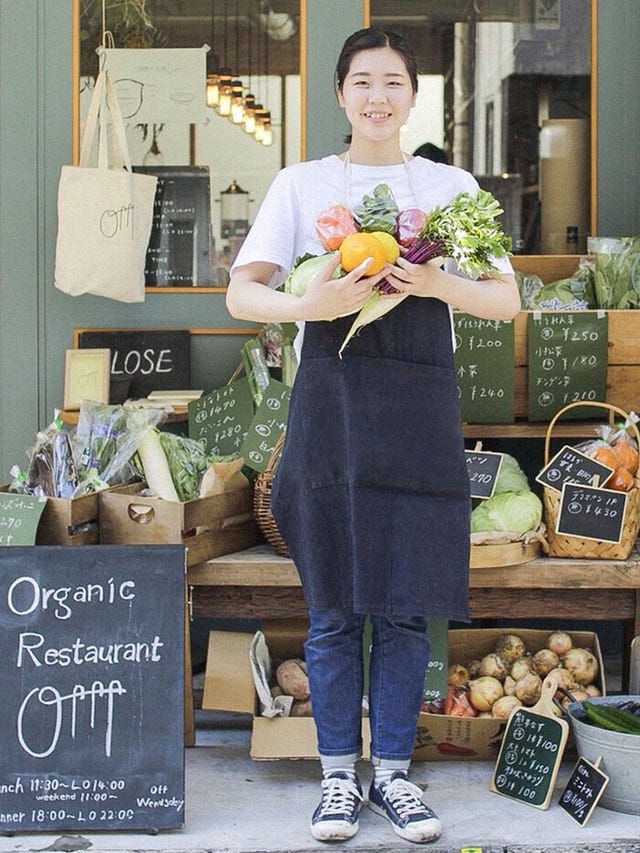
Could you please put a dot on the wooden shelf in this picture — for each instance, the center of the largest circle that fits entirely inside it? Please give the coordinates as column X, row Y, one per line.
column 524, row 429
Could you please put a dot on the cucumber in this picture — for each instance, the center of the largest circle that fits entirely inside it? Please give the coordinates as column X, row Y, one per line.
column 612, row 718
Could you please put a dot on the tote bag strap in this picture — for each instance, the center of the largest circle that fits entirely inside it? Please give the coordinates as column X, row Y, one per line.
column 118, row 124
column 104, row 98
column 91, row 122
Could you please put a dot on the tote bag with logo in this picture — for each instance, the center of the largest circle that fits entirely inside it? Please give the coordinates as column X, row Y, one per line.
column 105, row 213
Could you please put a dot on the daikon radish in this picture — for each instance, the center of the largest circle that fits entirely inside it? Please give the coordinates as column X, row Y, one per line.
column 155, row 466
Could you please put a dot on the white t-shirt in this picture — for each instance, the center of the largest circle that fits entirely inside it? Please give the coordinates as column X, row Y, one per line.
column 284, row 227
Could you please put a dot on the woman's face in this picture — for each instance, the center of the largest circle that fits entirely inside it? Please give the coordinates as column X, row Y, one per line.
column 376, row 94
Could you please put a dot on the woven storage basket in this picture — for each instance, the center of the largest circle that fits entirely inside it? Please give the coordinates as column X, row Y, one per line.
column 561, row 545
column 262, row 502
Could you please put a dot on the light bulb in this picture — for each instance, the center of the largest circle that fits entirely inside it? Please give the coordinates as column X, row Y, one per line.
column 213, row 90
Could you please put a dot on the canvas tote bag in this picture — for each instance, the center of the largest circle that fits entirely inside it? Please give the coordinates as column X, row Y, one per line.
column 105, row 213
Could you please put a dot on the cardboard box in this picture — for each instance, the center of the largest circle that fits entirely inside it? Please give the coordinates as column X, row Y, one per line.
column 207, row 527
column 441, row 737
column 229, row 686
column 70, row 521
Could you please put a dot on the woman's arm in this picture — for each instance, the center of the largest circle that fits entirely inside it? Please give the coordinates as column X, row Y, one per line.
column 489, row 298
column 250, row 298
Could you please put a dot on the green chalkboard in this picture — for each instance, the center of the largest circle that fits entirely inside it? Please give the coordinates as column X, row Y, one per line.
column 531, row 751
column 436, row 676
column 485, row 369
column 268, row 422
column 222, row 417
column 567, row 354
column 19, row 518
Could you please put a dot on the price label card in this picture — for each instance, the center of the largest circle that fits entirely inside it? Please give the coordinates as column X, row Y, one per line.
column 222, row 417
column 485, row 369
column 483, row 467
column 571, row 466
column 591, row 513
column 19, row 518
column 567, row 353
column 269, row 421
column 436, row 676
column 583, row 790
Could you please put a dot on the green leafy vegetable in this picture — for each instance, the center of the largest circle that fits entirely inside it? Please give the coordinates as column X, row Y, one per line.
column 377, row 212
column 511, row 477
column 515, row 512
column 617, row 271
column 303, row 271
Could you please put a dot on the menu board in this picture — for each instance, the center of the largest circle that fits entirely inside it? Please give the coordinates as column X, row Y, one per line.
column 92, row 657
column 485, row 369
column 567, row 355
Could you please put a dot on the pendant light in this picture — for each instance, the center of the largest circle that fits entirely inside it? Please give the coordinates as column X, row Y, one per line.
column 225, row 87
column 263, row 117
column 213, row 76
column 237, row 104
column 249, row 99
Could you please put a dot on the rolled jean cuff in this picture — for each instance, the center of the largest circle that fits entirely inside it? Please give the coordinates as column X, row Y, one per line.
column 351, row 754
column 390, row 763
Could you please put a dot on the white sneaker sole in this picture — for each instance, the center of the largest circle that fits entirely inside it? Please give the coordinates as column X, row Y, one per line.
column 427, row 830
column 334, row 830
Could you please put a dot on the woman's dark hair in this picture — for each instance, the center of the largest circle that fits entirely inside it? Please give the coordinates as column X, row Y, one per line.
column 371, row 37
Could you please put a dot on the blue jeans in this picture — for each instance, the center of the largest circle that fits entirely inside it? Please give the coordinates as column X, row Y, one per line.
column 399, row 658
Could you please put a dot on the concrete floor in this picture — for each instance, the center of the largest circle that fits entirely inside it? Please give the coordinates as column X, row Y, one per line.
column 236, row 805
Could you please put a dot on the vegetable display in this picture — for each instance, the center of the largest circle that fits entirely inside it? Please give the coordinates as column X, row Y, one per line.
column 465, row 230
column 624, row 717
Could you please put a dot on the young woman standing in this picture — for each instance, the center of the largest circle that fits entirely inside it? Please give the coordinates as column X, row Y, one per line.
column 371, row 492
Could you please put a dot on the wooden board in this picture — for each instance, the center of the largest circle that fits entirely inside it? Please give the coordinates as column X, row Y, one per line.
column 508, row 554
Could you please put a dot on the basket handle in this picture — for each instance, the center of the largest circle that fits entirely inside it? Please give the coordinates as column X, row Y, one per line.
column 612, row 410
column 275, row 454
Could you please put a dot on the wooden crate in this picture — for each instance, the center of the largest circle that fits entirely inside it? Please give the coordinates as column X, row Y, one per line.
column 623, row 373
column 207, row 527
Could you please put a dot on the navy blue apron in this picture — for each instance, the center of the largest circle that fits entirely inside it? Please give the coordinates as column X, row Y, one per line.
column 371, row 493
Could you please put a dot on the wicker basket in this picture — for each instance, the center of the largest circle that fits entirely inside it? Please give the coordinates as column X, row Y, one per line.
column 561, row 545
column 262, row 502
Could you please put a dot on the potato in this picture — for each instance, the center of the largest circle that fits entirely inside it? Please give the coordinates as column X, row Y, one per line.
column 291, row 676
column 301, row 708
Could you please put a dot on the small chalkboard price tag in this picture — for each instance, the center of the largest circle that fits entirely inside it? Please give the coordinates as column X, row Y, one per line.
column 19, row 518
column 572, row 466
column 483, row 468
column 222, row 417
column 268, row 422
column 583, row 790
column 591, row 513
column 531, row 751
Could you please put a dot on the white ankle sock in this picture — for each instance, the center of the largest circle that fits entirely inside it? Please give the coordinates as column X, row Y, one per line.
column 382, row 775
column 338, row 765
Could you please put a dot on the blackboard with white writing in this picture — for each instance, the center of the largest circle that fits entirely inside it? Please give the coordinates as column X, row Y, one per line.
column 143, row 360
column 591, row 513
column 571, row 466
column 483, row 468
column 92, row 657
column 180, row 246
column 567, row 353
column 485, row 369
column 583, row 790
column 19, row 518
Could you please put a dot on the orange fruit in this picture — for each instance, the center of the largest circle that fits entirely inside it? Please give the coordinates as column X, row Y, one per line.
column 355, row 248
column 390, row 244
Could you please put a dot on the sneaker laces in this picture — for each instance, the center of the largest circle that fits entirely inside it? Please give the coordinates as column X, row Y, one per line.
column 405, row 797
column 337, row 795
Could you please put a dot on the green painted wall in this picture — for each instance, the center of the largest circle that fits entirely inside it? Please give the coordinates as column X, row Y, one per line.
column 36, row 321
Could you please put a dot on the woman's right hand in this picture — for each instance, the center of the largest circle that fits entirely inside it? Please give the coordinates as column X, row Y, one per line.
column 327, row 298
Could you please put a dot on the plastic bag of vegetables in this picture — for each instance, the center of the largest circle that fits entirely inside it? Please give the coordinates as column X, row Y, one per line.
column 617, row 271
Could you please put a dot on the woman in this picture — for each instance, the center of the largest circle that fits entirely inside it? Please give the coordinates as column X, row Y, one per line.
column 371, row 493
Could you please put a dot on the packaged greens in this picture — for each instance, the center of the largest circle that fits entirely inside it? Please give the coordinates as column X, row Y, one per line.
column 617, row 271
column 51, row 471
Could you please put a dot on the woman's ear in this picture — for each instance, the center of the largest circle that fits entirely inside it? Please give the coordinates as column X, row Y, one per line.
column 340, row 99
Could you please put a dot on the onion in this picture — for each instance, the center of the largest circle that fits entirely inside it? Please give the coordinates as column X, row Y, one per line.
column 484, row 691
column 582, row 665
column 559, row 642
column 458, row 675
column 529, row 688
column 520, row 667
column 494, row 665
column 473, row 668
column 502, row 707
column 509, row 686
column 576, row 696
column 510, row 647
column 564, row 679
column 592, row 690
column 544, row 661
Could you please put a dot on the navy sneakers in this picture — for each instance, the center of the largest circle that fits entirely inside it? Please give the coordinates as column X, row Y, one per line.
column 336, row 817
column 400, row 801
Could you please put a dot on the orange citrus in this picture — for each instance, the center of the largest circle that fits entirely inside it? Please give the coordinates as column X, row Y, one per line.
column 355, row 248
column 391, row 247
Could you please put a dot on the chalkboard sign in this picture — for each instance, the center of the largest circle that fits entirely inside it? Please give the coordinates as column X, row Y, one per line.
column 583, row 790
column 19, row 518
column 269, row 421
column 571, row 466
column 143, row 360
column 483, row 468
column 531, row 751
column 222, row 418
column 485, row 369
column 180, row 246
column 591, row 513
column 92, row 658
column 437, row 675
column 567, row 352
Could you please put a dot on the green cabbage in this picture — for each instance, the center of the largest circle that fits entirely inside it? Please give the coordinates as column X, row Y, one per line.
column 305, row 269
column 515, row 512
column 511, row 477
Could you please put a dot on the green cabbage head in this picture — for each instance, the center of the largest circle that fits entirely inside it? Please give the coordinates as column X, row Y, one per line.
column 296, row 281
column 515, row 512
